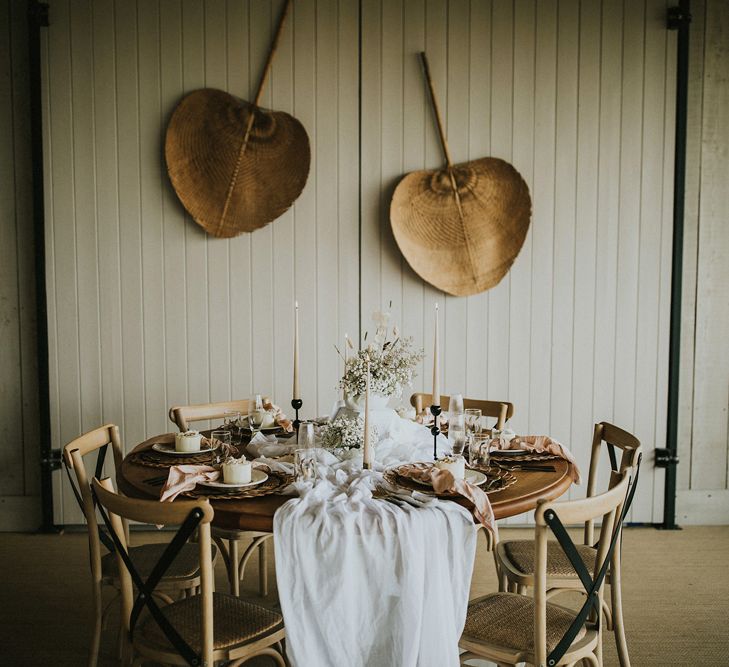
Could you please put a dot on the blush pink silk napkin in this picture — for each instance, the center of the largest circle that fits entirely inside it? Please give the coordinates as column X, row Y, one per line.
column 278, row 416
column 184, row 478
column 444, row 482
column 545, row 444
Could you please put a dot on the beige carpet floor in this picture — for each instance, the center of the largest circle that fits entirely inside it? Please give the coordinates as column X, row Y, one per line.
column 676, row 597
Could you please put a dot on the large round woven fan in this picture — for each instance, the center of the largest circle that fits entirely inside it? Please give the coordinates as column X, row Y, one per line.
column 461, row 227
column 231, row 180
column 234, row 165
column 467, row 246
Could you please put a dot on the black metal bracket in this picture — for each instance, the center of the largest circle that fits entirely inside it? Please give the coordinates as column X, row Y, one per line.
column 52, row 460
column 38, row 14
column 665, row 458
column 677, row 17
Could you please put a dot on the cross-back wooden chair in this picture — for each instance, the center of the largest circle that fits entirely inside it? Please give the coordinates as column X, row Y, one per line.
column 509, row 628
column 501, row 411
column 228, row 539
column 197, row 630
column 183, row 578
column 515, row 559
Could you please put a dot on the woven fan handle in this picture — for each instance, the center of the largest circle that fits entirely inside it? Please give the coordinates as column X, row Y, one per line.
column 272, row 52
column 436, row 110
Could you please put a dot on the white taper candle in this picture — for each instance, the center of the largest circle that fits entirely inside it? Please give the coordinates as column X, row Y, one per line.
column 436, row 362
column 296, row 391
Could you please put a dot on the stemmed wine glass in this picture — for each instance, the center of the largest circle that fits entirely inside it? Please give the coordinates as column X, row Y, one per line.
column 256, row 413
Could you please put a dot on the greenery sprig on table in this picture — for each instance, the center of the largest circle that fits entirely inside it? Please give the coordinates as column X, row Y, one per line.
column 392, row 362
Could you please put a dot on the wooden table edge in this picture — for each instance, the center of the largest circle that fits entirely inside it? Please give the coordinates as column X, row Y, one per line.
column 259, row 512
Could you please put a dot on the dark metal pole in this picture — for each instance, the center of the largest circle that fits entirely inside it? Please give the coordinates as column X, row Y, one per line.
column 679, row 19
column 38, row 18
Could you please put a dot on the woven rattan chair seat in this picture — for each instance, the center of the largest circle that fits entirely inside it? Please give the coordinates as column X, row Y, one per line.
column 507, row 620
column 520, row 554
column 145, row 557
column 236, row 622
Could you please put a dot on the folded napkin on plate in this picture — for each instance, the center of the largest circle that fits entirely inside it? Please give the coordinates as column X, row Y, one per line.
column 543, row 443
column 444, row 482
column 184, row 478
column 279, row 416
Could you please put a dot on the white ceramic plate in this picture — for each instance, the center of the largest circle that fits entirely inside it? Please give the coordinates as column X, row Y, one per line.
column 169, row 448
column 472, row 476
column 257, row 477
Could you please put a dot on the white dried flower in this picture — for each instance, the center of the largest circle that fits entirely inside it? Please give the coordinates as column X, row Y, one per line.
column 345, row 433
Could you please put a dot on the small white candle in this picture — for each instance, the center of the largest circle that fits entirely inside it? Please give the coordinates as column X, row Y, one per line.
column 367, row 462
column 296, row 393
column 436, row 363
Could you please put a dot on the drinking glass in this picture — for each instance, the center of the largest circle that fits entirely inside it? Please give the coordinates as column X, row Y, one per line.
column 457, row 433
column 479, row 449
column 224, row 438
column 305, row 464
column 455, row 405
column 231, row 422
column 473, row 417
column 306, row 437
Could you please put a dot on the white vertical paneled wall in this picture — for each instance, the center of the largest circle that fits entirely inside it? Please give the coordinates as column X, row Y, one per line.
column 579, row 97
column 146, row 311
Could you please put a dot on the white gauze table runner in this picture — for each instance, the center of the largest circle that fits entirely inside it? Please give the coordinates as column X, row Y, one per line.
column 365, row 583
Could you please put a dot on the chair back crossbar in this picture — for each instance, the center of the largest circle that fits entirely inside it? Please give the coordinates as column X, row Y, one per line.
column 591, row 586
column 100, row 458
column 146, row 588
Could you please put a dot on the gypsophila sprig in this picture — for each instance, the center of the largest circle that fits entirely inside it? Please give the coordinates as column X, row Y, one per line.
column 392, row 363
column 346, row 432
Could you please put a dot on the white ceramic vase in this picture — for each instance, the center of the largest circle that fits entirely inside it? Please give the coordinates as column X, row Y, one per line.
column 357, row 403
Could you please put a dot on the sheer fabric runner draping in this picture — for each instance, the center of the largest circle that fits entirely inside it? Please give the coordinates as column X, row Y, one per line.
column 364, row 582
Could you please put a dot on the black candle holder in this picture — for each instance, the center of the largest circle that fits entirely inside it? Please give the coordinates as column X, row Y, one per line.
column 296, row 404
column 435, row 429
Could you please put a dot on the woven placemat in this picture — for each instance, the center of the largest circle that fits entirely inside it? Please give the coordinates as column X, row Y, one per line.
column 276, row 482
column 497, row 480
column 153, row 459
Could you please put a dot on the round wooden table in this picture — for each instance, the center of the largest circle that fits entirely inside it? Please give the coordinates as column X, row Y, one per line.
column 257, row 513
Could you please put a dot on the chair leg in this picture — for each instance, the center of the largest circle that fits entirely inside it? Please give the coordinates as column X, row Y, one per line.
column 616, row 598
column 263, row 569
column 233, row 571
column 522, row 590
column 98, row 620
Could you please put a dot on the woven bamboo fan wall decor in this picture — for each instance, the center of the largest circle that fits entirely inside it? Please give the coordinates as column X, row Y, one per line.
column 235, row 166
column 460, row 228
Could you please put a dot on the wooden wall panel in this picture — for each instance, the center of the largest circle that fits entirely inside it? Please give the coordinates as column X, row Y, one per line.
column 572, row 335
column 147, row 311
